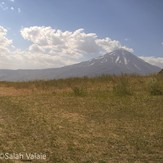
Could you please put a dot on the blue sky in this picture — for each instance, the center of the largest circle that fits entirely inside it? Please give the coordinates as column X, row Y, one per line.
column 133, row 24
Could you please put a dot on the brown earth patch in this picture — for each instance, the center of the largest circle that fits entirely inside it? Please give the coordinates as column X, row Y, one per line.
column 10, row 91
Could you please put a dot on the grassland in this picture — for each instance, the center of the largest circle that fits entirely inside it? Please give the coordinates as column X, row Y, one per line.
column 99, row 120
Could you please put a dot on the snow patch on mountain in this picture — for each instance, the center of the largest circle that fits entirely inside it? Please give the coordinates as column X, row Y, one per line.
column 117, row 59
column 125, row 60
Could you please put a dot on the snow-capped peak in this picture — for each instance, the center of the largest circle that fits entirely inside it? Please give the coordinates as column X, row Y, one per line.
column 124, row 60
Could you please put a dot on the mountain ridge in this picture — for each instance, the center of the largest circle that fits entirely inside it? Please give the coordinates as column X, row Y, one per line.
column 117, row 62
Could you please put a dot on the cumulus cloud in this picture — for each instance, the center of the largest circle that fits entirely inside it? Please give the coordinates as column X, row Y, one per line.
column 53, row 48
column 76, row 43
column 4, row 41
column 157, row 61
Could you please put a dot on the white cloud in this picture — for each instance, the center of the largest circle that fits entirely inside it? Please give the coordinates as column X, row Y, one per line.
column 76, row 43
column 161, row 43
column 4, row 41
column 12, row 8
column 19, row 10
column 53, row 48
column 157, row 61
column 4, row 6
column 26, row 60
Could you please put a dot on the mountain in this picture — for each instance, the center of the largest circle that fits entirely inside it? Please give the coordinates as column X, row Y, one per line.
column 117, row 62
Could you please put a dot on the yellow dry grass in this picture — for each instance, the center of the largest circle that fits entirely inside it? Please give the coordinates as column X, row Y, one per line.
column 101, row 120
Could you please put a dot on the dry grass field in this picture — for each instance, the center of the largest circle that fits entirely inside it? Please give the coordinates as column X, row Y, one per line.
column 80, row 120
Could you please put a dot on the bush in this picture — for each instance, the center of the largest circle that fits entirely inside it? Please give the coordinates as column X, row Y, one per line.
column 78, row 91
column 154, row 87
column 122, row 87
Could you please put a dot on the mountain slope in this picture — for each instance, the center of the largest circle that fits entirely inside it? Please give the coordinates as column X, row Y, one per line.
column 117, row 62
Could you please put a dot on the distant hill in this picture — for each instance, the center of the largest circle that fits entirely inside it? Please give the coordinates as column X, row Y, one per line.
column 161, row 72
column 117, row 62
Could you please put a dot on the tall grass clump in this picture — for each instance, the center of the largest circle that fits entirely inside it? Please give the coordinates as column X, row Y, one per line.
column 122, row 86
column 79, row 91
column 154, row 87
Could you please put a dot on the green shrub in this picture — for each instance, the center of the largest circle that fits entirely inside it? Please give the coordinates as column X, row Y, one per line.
column 122, row 87
column 154, row 87
column 79, row 91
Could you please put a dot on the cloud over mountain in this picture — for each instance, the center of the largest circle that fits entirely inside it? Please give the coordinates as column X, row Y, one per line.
column 157, row 61
column 52, row 48
column 76, row 43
